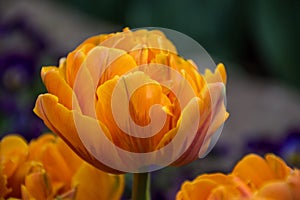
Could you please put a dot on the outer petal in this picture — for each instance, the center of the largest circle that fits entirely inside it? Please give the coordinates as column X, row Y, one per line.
column 214, row 187
column 74, row 61
column 215, row 111
column 218, row 76
column 198, row 190
column 130, row 41
column 212, row 115
column 278, row 166
column 294, row 183
column 57, row 173
column 13, row 152
column 36, row 146
column 18, row 178
column 4, row 190
column 37, row 186
column 96, row 40
column 94, row 184
column 275, row 190
column 69, row 156
column 227, row 192
column 253, row 170
column 61, row 121
column 51, row 150
column 57, row 85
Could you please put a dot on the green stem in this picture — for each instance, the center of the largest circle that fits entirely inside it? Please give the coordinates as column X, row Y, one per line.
column 141, row 186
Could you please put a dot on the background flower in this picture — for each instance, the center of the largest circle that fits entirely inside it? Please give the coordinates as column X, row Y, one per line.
column 46, row 169
column 252, row 178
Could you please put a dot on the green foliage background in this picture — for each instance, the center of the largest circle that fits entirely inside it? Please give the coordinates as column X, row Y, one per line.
column 260, row 37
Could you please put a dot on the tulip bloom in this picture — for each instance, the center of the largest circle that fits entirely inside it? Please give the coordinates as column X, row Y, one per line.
column 252, row 178
column 48, row 169
column 105, row 96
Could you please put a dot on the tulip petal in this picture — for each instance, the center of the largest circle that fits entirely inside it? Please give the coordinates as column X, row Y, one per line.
column 190, row 191
column 139, row 39
column 93, row 184
column 95, row 40
column 192, row 138
column 121, row 123
column 61, row 121
column 35, row 146
column 228, row 192
column 216, row 177
column 104, row 63
column 278, row 166
column 253, row 170
column 19, row 175
column 13, row 152
column 57, row 173
column 216, row 92
column 74, row 61
column 69, row 156
column 294, row 183
column 57, row 86
column 50, row 150
column 4, row 190
column 101, row 64
column 212, row 115
column 275, row 190
column 218, row 76
column 38, row 186
column 182, row 66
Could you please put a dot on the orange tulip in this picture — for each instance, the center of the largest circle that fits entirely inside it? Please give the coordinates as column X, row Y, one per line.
column 111, row 85
column 47, row 169
column 253, row 178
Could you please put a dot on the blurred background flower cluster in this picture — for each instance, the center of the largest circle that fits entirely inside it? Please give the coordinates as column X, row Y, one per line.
column 258, row 42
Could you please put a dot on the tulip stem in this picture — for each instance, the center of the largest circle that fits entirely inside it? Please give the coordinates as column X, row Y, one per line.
column 141, row 186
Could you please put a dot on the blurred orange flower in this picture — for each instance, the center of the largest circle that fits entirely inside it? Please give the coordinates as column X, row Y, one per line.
column 252, row 178
column 74, row 100
column 48, row 169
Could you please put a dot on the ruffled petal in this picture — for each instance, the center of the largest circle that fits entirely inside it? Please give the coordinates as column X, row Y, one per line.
column 128, row 116
column 13, row 152
column 101, row 64
column 275, row 190
column 278, row 166
column 57, row 85
column 61, row 121
column 190, row 191
column 20, row 174
column 74, row 61
column 218, row 76
column 294, row 183
column 93, row 184
column 216, row 115
column 4, row 190
column 253, row 170
column 188, row 131
column 139, row 39
column 38, row 186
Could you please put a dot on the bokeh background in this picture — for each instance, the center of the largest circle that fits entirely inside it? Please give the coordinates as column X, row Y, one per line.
column 258, row 41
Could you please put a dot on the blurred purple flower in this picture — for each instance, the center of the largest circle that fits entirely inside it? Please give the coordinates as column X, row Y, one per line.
column 17, row 71
column 22, row 48
column 287, row 146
